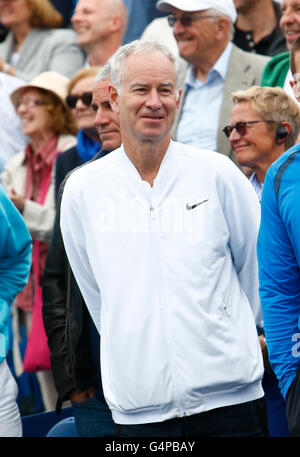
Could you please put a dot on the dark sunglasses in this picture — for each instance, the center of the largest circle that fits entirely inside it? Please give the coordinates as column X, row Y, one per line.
column 186, row 20
column 240, row 127
column 86, row 98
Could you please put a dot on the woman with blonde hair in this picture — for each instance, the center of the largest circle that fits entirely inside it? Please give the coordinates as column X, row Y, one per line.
column 264, row 123
column 35, row 43
column 29, row 181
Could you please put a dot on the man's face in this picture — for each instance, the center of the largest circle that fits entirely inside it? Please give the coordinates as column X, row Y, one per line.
column 196, row 39
column 106, row 121
column 290, row 21
column 295, row 82
column 243, row 6
column 147, row 103
column 91, row 20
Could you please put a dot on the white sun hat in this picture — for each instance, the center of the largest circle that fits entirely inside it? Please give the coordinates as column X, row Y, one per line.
column 223, row 6
column 50, row 81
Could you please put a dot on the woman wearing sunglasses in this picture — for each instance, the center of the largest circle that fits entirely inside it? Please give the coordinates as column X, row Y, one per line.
column 79, row 100
column 264, row 122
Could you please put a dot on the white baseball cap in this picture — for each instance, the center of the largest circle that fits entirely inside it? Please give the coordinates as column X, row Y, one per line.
column 223, row 6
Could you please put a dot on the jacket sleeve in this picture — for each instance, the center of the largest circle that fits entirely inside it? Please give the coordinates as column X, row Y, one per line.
column 15, row 260
column 242, row 213
column 72, row 220
column 65, row 56
column 49, row 50
column 55, row 309
column 278, row 252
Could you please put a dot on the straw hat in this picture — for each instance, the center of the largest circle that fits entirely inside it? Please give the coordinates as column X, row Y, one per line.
column 51, row 81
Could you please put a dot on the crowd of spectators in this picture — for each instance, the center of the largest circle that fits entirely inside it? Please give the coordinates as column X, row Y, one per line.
column 239, row 96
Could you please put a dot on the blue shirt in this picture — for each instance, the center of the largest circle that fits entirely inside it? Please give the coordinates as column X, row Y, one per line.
column 278, row 251
column 257, row 185
column 140, row 14
column 198, row 123
column 15, row 262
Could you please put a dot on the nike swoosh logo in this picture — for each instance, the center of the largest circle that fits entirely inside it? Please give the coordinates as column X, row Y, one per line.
column 195, row 205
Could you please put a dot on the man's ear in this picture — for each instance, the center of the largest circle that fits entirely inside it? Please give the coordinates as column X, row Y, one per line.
column 115, row 23
column 113, row 98
column 178, row 98
column 294, row 87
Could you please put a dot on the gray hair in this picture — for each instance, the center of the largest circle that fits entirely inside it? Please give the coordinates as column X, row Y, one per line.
column 214, row 12
column 137, row 47
column 105, row 73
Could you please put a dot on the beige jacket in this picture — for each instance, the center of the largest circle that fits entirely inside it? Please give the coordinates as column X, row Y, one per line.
column 39, row 218
column 244, row 70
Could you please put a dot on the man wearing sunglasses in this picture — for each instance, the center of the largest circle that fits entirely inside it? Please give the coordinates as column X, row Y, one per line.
column 75, row 359
column 203, row 30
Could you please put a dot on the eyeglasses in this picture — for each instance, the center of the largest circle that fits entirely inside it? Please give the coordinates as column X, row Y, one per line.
column 240, row 127
column 296, row 78
column 185, row 20
column 30, row 103
column 85, row 97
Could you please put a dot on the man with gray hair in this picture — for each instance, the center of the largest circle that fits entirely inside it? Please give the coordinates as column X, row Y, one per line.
column 161, row 239
column 203, row 30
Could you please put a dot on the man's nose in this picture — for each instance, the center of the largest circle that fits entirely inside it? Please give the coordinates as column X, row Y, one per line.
column 101, row 118
column 178, row 27
column 76, row 17
column 287, row 17
column 153, row 100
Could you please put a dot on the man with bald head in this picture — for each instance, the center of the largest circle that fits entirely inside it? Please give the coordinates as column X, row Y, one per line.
column 100, row 26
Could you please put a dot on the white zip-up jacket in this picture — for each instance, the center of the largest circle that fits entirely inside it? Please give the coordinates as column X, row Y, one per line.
column 169, row 275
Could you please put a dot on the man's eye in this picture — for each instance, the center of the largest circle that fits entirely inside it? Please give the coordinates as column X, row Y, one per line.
column 94, row 107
